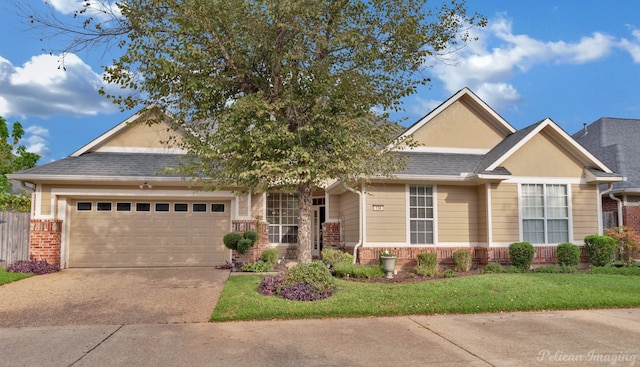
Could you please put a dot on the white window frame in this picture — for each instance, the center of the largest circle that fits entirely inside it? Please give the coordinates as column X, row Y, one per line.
column 433, row 219
column 545, row 218
column 280, row 226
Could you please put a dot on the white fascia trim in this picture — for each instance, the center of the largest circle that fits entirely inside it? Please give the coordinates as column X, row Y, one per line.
column 187, row 194
column 424, row 149
column 547, row 180
column 141, row 150
column 114, row 130
column 549, row 123
column 67, row 178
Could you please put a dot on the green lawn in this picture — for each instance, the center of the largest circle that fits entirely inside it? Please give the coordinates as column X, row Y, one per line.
column 6, row 277
column 240, row 299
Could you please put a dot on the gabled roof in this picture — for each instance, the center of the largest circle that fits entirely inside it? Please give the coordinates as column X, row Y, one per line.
column 616, row 142
column 479, row 106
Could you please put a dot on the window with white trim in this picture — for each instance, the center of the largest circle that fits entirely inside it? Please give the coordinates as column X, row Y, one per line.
column 421, row 214
column 545, row 213
column 282, row 215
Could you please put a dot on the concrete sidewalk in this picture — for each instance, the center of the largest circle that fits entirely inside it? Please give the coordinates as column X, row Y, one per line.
column 562, row 338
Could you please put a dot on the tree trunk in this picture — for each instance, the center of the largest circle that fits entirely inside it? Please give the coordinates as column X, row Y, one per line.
column 304, row 222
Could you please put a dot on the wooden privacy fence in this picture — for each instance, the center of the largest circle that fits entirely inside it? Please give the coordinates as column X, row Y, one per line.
column 14, row 237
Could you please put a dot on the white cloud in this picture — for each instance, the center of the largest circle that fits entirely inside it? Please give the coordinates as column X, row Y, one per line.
column 41, row 87
column 487, row 65
column 97, row 8
column 633, row 46
column 35, row 141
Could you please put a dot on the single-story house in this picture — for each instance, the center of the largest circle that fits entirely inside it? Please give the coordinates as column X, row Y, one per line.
column 475, row 182
column 616, row 142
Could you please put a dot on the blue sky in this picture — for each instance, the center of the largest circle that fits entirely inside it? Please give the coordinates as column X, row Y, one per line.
column 573, row 61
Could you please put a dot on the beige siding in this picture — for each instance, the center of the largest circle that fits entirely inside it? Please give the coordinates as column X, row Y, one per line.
column 534, row 158
column 457, row 214
column 388, row 225
column 505, row 213
column 584, row 202
column 459, row 126
column 141, row 135
column 45, row 200
column 258, row 204
column 334, row 207
column 482, row 213
column 350, row 216
column 243, row 205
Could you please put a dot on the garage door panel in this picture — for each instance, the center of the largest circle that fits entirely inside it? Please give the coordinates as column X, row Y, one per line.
column 136, row 239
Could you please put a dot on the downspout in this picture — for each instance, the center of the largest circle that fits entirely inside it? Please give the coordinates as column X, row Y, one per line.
column 360, row 221
column 613, row 197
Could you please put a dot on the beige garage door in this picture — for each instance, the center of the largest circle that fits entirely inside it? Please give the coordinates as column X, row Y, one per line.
column 112, row 233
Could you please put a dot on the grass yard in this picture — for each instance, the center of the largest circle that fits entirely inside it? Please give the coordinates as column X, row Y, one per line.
column 240, row 299
column 7, row 277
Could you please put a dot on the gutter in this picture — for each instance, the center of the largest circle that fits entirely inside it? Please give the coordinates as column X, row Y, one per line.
column 612, row 197
column 360, row 222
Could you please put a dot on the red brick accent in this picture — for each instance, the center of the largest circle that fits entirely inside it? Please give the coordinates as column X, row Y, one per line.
column 262, row 228
column 481, row 255
column 331, row 234
column 407, row 255
column 609, row 205
column 631, row 217
column 45, row 239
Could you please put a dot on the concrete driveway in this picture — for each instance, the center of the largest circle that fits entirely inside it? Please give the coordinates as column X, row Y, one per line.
column 112, row 297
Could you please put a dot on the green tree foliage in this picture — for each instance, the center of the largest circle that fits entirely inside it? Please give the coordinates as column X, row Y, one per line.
column 13, row 155
column 281, row 93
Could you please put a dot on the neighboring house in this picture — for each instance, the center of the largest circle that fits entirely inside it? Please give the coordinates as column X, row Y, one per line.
column 616, row 142
column 475, row 183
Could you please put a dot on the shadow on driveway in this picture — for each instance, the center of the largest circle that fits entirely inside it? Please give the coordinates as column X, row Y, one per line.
column 112, row 297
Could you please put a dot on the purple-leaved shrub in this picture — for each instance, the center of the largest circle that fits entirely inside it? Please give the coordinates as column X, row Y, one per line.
column 303, row 282
column 305, row 292
column 32, row 266
column 271, row 286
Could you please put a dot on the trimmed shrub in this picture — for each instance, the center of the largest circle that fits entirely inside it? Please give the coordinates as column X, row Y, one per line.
column 231, row 240
column 628, row 243
column 493, row 268
column 521, row 255
column 600, row 249
column 257, row 266
column 462, row 260
column 344, row 269
column 333, row 256
column 427, row 264
column 33, row 267
column 270, row 256
column 568, row 254
column 315, row 273
column 449, row 274
column 250, row 235
column 244, row 245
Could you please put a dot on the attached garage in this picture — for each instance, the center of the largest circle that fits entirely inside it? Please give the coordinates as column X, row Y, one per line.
column 121, row 233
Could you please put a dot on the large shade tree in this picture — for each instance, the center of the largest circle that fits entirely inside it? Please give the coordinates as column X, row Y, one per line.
column 284, row 93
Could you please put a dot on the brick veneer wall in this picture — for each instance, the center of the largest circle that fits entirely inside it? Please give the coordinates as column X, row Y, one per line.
column 631, row 217
column 45, row 239
column 331, row 234
column 262, row 228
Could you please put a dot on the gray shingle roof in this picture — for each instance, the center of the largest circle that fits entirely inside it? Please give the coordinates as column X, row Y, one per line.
column 440, row 164
column 109, row 164
column 616, row 142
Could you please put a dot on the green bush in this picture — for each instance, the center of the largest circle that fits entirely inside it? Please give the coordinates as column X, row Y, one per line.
column 333, row 256
column 427, row 264
column 270, row 256
column 462, row 260
column 250, row 235
column 244, row 245
column 493, row 268
column 627, row 270
column 600, row 249
column 315, row 273
column 568, row 254
column 231, row 240
column 257, row 266
column 521, row 255
column 550, row 269
column 343, row 269
column 449, row 274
